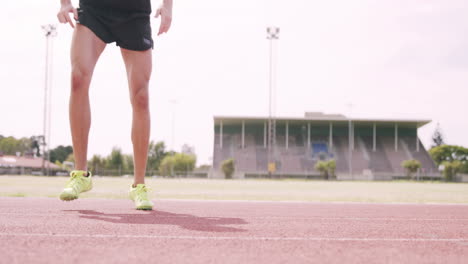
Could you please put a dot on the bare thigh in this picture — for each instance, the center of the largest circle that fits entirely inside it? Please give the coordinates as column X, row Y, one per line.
column 85, row 51
column 139, row 66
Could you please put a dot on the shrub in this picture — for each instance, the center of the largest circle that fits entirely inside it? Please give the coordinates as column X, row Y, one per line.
column 326, row 168
column 166, row 168
column 411, row 166
column 332, row 168
column 451, row 168
column 178, row 162
column 228, row 168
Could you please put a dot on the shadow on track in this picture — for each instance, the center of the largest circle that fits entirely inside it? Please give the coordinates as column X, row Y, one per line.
column 186, row 221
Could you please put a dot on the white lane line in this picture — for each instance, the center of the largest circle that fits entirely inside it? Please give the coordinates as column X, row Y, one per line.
column 119, row 215
column 252, row 238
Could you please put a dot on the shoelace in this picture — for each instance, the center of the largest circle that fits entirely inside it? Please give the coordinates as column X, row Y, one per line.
column 74, row 182
column 142, row 193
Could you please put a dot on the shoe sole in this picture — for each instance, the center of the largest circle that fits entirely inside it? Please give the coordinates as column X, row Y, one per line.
column 69, row 197
column 146, row 208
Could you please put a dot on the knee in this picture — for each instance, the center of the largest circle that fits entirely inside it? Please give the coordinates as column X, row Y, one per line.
column 140, row 100
column 80, row 79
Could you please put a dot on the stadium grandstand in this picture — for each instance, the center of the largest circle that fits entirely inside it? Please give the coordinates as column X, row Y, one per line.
column 368, row 149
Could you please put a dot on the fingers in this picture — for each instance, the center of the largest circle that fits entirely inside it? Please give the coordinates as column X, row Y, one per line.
column 75, row 13
column 64, row 16
column 165, row 25
column 158, row 12
column 69, row 20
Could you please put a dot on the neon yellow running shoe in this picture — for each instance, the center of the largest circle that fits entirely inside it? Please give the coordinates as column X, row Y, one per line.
column 139, row 195
column 77, row 184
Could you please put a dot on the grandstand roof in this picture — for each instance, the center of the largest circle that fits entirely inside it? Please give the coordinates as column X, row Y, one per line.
column 26, row 162
column 318, row 117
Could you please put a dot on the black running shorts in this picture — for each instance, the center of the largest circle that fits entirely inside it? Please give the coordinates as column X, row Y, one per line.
column 125, row 22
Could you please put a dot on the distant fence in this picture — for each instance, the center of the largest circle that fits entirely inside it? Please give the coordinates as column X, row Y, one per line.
column 126, row 173
column 216, row 174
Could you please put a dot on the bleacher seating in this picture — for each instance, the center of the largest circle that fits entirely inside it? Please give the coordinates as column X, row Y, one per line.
column 297, row 157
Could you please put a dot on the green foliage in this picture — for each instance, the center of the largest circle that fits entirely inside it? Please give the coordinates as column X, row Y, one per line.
column 184, row 162
column 166, row 168
column 58, row 163
column 177, row 163
column 156, row 153
column 450, row 153
column 204, row 167
column 60, row 153
column 451, row 168
column 411, row 166
column 128, row 162
column 115, row 159
column 11, row 145
column 96, row 163
column 228, row 168
column 326, row 168
column 71, row 158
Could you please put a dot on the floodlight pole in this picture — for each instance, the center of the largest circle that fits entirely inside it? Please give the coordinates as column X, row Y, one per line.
column 50, row 32
column 272, row 35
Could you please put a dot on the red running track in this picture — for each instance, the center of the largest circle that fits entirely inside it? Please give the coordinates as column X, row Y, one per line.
column 46, row 230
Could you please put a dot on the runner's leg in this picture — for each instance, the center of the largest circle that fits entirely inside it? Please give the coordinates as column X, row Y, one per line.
column 85, row 50
column 139, row 65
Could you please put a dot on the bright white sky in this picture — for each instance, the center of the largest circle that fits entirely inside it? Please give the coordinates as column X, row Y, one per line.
column 390, row 59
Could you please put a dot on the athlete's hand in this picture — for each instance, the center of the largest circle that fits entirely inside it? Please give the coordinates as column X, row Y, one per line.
column 64, row 14
column 166, row 18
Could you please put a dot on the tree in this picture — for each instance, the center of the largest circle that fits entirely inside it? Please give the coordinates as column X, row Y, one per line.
column 449, row 153
column 228, row 168
column 166, row 168
column 451, row 168
column 23, row 145
column 326, row 168
column 411, row 166
column 9, row 145
column 115, row 159
column 332, row 168
column 60, row 153
column 322, row 167
column 156, row 153
column 128, row 162
column 184, row 162
column 96, row 163
column 437, row 137
column 177, row 163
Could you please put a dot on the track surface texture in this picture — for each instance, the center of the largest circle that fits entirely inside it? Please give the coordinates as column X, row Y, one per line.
column 46, row 230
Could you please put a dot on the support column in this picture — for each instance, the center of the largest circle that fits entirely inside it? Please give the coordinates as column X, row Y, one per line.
column 374, row 138
column 331, row 135
column 417, row 139
column 350, row 152
column 396, row 137
column 308, row 135
column 221, row 134
column 265, row 135
column 287, row 134
column 243, row 134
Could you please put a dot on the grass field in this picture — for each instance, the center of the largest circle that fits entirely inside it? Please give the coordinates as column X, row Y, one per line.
column 263, row 190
